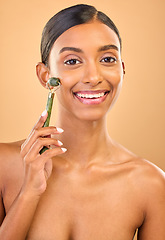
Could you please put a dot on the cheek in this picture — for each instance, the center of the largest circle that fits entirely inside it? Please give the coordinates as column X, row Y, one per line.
column 114, row 77
column 62, row 98
column 68, row 77
column 64, row 94
column 67, row 85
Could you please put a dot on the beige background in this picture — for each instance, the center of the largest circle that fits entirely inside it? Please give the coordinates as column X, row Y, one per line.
column 137, row 120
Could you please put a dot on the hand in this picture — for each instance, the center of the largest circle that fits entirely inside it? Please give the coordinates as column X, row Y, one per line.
column 38, row 167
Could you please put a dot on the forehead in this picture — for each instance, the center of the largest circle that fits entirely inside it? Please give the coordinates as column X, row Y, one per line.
column 88, row 34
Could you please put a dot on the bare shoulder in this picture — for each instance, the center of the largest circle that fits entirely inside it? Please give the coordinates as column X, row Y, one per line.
column 146, row 177
column 9, row 157
column 11, row 170
column 153, row 184
column 8, row 150
column 149, row 182
column 142, row 169
column 149, row 175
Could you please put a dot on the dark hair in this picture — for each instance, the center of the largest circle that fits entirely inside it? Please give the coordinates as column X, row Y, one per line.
column 67, row 18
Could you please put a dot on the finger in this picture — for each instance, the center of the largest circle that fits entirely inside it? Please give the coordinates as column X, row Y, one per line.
column 41, row 120
column 35, row 133
column 38, row 145
column 50, row 153
column 41, row 160
column 39, row 124
column 42, row 132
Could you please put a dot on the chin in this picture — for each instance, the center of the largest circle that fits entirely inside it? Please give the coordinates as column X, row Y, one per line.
column 91, row 115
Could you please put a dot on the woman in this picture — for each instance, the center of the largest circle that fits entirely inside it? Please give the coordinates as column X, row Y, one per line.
column 86, row 186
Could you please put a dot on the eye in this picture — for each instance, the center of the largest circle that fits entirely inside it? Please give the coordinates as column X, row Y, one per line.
column 109, row 60
column 72, row 61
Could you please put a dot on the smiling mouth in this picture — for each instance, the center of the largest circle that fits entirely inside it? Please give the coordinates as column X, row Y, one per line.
column 89, row 97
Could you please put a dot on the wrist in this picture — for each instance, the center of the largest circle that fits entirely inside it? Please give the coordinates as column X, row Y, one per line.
column 26, row 196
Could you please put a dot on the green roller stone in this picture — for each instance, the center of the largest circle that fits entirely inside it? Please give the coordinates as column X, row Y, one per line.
column 54, row 81
column 48, row 109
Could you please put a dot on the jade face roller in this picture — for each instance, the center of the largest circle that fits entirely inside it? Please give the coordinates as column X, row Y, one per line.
column 53, row 84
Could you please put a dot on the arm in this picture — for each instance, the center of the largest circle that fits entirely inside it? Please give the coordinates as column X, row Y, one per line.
column 153, row 227
column 16, row 223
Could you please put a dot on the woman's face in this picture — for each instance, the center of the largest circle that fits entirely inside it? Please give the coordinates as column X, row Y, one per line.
column 87, row 60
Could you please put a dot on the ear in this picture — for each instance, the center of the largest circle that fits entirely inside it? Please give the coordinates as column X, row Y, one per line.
column 43, row 74
column 123, row 66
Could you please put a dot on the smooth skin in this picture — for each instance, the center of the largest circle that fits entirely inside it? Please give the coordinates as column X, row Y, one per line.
column 97, row 189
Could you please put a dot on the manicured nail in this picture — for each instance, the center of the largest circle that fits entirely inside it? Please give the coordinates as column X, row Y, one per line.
column 44, row 113
column 64, row 149
column 60, row 130
column 60, row 143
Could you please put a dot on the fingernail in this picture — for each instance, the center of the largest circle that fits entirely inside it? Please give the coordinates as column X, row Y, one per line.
column 44, row 113
column 64, row 149
column 60, row 143
column 60, row 130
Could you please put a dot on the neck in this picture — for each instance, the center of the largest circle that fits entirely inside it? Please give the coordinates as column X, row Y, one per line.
column 86, row 141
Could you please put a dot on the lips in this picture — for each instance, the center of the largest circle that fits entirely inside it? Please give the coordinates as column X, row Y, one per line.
column 91, row 97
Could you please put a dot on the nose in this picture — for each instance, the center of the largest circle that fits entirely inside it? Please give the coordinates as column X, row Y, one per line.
column 92, row 74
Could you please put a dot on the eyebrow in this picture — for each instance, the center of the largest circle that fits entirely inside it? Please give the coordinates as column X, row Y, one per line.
column 79, row 50
column 70, row 49
column 107, row 47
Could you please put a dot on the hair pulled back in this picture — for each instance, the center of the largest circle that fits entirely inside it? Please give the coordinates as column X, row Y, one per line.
column 67, row 18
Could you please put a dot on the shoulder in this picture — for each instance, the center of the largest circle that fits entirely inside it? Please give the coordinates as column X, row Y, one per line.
column 9, row 150
column 11, row 171
column 150, row 192
column 141, row 169
column 9, row 157
column 144, row 176
column 147, row 172
column 6, row 147
column 149, row 182
column 147, row 185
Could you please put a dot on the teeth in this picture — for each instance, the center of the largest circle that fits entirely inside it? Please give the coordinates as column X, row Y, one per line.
column 98, row 95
